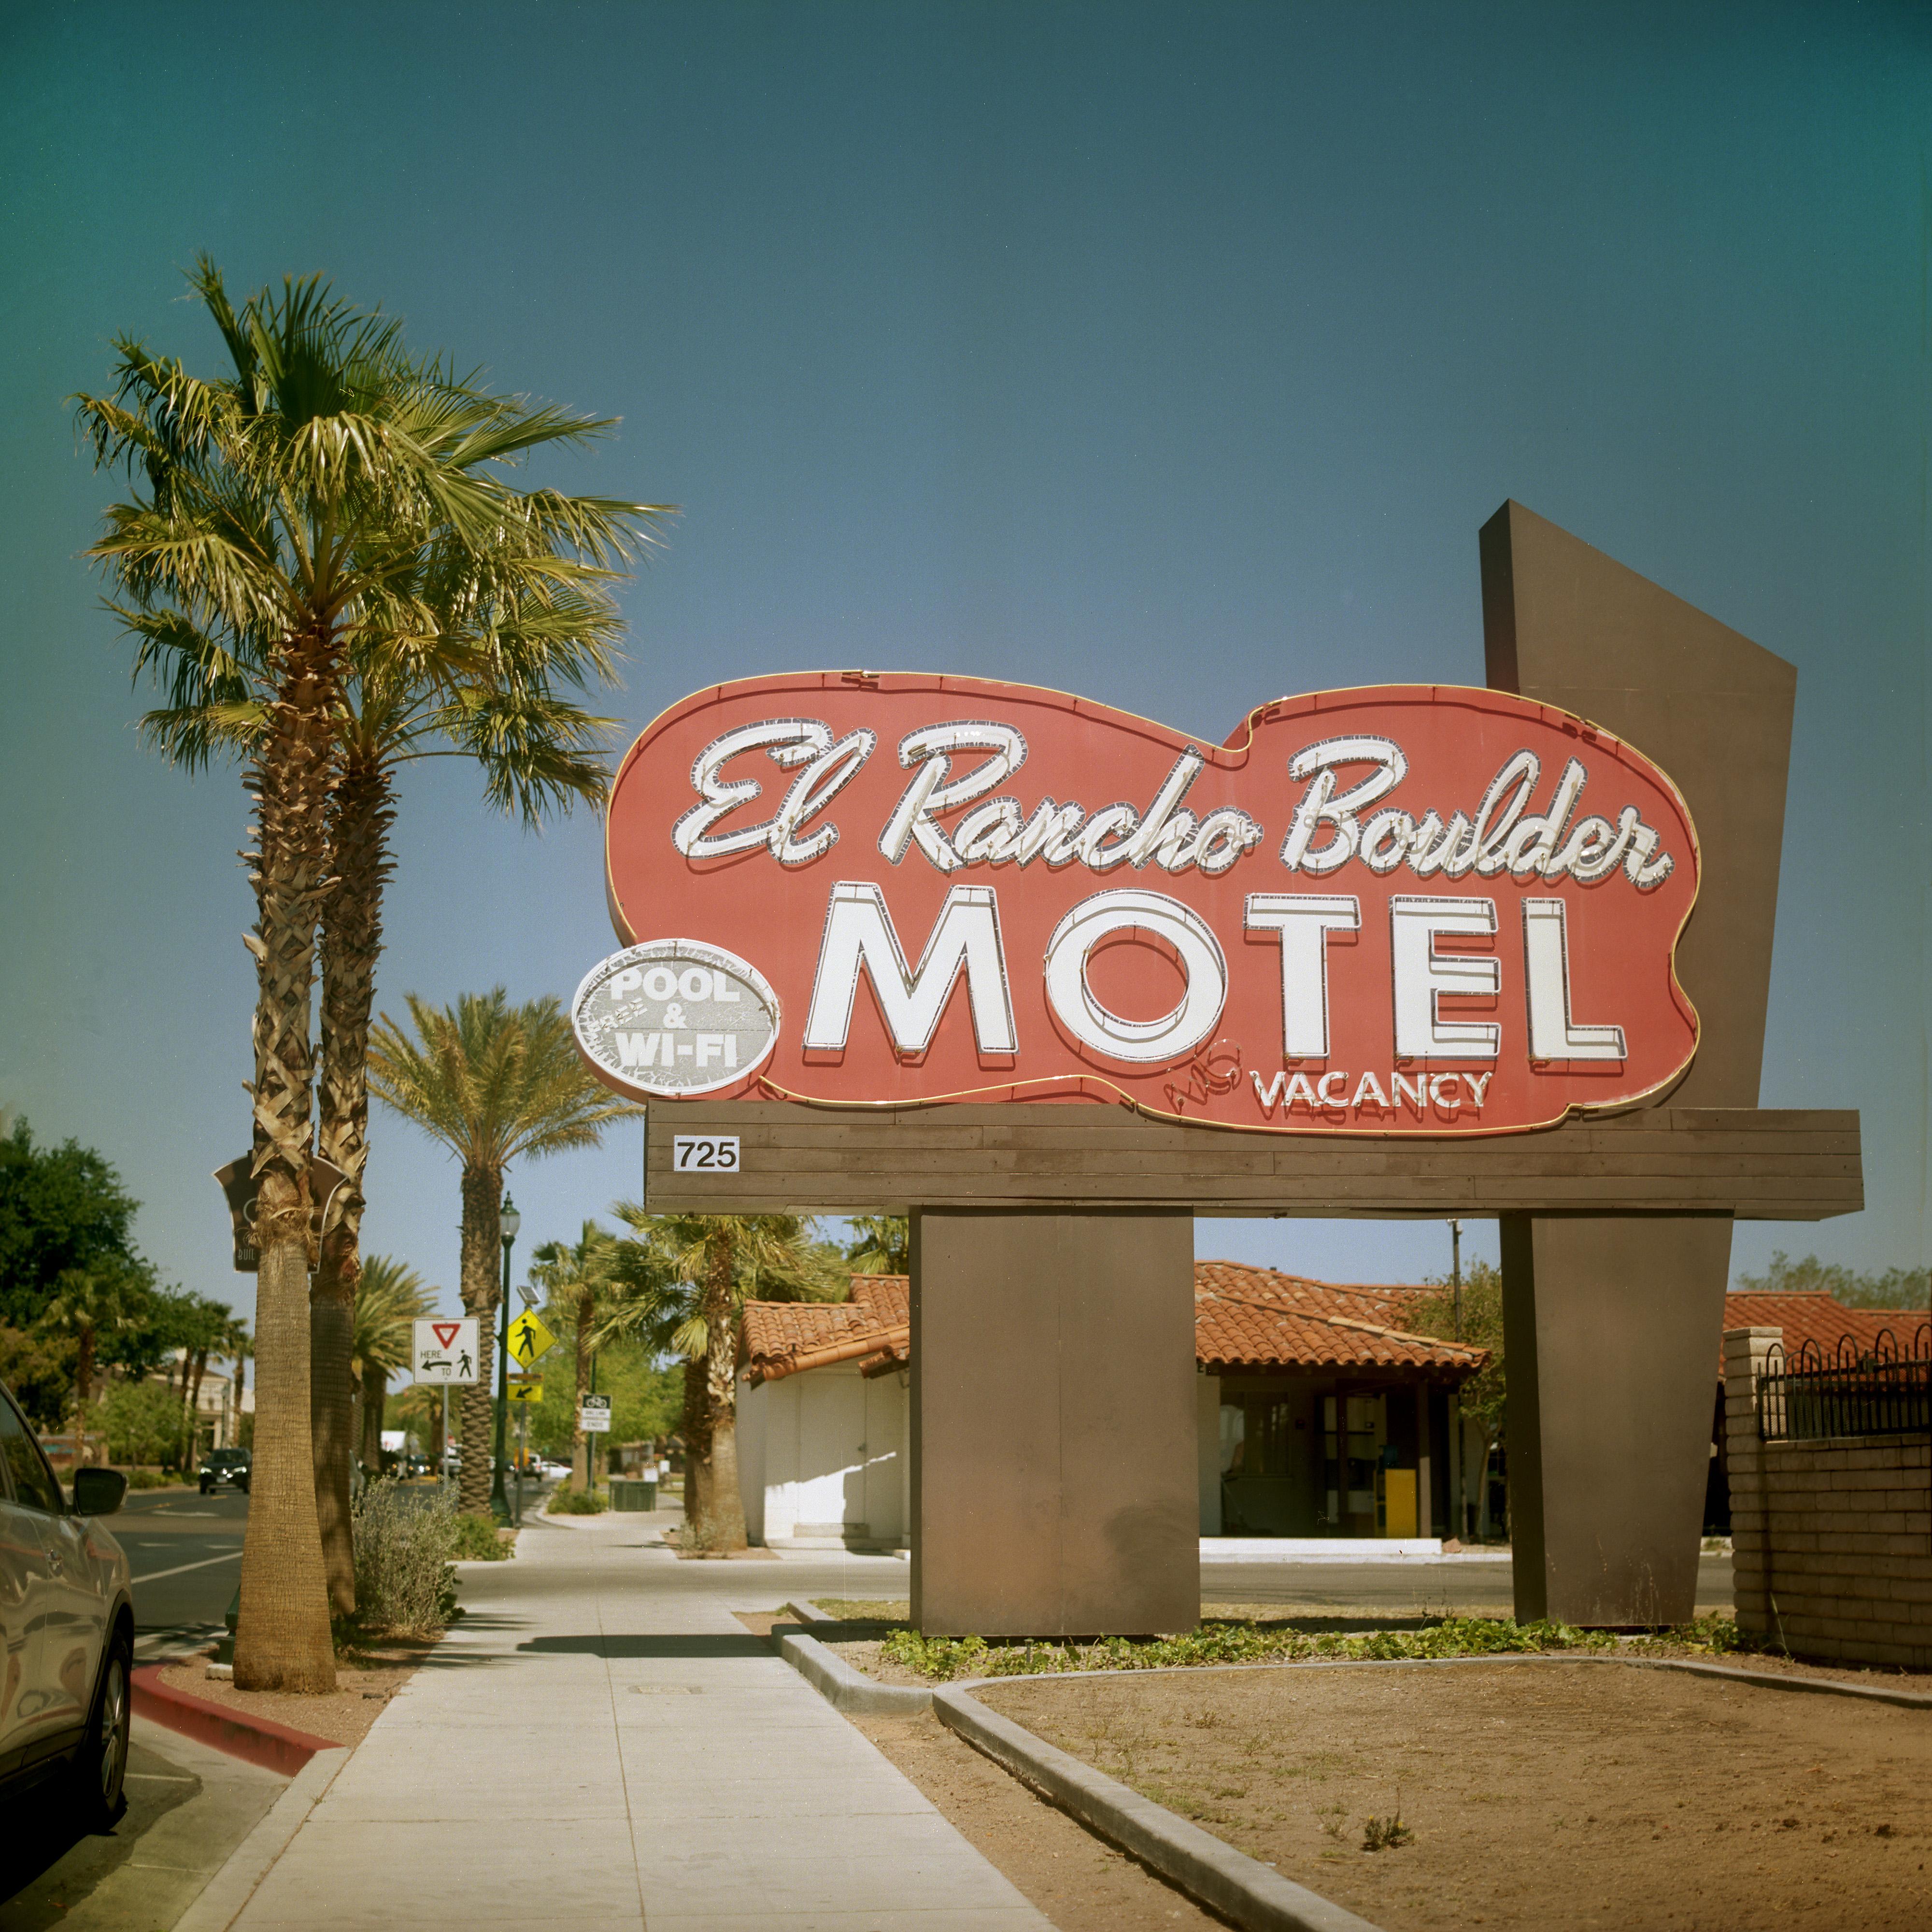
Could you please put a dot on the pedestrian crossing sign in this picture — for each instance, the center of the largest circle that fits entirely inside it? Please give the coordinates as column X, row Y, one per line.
column 530, row 1339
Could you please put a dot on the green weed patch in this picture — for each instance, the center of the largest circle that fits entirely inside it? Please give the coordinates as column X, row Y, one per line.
column 940, row 1658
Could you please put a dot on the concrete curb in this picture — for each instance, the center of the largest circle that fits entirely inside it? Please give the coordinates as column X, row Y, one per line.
column 224, row 1896
column 259, row 1740
column 1254, row 1896
column 834, row 1680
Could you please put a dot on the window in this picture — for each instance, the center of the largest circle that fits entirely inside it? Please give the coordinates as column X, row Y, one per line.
column 33, row 1484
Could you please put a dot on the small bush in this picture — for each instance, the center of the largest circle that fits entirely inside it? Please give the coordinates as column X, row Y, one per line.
column 404, row 1543
column 153, row 1479
column 573, row 1502
column 475, row 1540
column 1384, row 1835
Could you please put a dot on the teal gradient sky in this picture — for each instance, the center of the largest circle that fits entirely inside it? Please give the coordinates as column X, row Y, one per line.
column 1170, row 354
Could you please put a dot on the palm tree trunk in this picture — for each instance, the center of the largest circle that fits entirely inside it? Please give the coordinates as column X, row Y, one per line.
column 360, row 813
column 375, row 1399
column 331, row 1323
column 482, row 1259
column 580, row 1453
column 282, row 1640
column 83, row 1387
column 697, row 1449
column 724, row 1506
column 194, row 1401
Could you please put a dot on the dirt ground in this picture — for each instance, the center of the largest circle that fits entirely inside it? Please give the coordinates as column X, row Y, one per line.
column 1539, row 1795
column 362, row 1687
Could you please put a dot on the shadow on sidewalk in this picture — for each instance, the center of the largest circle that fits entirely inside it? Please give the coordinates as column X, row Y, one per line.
column 697, row 1644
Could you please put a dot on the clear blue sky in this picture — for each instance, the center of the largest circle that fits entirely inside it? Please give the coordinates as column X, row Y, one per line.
column 1169, row 353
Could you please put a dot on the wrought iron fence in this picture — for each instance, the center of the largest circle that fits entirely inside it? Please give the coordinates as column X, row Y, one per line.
column 1860, row 1388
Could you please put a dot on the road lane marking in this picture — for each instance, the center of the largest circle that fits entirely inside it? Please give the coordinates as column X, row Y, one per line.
column 155, row 1575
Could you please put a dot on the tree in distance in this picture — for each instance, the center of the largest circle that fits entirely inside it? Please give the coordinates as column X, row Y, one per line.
column 572, row 1275
column 494, row 1083
column 679, row 1286
column 1908, row 1290
column 287, row 515
column 390, row 1299
column 88, row 1302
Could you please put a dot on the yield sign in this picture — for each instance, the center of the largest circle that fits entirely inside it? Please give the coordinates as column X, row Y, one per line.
column 445, row 1332
column 530, row 1339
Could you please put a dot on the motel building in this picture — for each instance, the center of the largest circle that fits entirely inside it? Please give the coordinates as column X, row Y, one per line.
column 1321, row 1416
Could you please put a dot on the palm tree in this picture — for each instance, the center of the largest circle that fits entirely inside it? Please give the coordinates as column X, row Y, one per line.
column 88, row 1303
column 880, row 1244
column 204, row 1326
column 390, row 1298
column 494, row 1083
column 571, row 1276
column 289, row 507
column 477, row 677
column 682, row 1283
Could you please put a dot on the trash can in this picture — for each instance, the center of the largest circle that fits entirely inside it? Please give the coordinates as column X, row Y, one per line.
column 633, row 1492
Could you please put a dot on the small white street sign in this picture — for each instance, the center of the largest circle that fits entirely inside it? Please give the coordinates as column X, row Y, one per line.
column 445, row 1351
column 594, row 1417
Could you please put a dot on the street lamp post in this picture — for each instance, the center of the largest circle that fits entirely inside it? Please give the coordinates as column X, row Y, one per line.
column 510, row 1221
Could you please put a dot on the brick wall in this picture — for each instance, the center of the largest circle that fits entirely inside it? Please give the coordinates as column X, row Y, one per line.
column 1833, row 1539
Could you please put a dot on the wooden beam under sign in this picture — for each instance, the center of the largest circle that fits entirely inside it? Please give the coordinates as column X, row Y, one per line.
column 1754, row 1163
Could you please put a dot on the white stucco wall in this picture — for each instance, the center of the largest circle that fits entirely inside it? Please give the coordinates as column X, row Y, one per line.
column 1207, row 1446
column 822, row 1454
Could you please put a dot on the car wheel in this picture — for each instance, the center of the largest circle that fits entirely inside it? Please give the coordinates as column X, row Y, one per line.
column 102, row 1768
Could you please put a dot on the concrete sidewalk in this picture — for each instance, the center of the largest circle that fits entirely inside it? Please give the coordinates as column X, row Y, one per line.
column 600, row 1743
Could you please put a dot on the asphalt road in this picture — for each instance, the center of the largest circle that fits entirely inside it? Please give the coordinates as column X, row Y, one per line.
column 184, row 1554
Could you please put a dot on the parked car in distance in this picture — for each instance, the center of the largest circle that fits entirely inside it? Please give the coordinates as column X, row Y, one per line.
column 552, row 1471
column 67, row 1628
column 225, row 1469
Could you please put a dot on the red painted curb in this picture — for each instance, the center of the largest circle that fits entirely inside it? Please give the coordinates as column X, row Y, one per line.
column 261, row 1741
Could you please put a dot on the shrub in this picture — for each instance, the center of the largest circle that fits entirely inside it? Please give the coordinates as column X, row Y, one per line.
column 143, row 1422
column 403, row 1543
column 572, row 1502
column 475, row 1540
column 153, row 1479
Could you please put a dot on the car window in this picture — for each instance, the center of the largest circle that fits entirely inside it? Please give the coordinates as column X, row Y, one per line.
column 33, row 1484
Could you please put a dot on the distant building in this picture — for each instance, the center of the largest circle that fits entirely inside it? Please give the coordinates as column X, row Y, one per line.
column 1321, row 1414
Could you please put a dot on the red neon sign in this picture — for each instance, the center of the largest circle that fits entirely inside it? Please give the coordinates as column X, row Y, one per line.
column 1407, row 909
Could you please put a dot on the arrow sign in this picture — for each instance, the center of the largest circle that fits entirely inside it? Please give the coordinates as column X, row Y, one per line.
column 446, row 1351
column 530, row 1339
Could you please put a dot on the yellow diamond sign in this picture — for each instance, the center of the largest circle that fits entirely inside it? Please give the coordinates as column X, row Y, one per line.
column 530, row 1339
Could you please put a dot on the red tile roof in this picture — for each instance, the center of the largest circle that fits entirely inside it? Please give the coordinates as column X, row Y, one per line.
column 780, row 1338
column 1816, row 1318
column 1257, row 1317
column 1244, row 1317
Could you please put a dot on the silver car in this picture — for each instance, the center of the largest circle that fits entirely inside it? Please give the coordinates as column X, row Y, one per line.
column 67, row 1627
